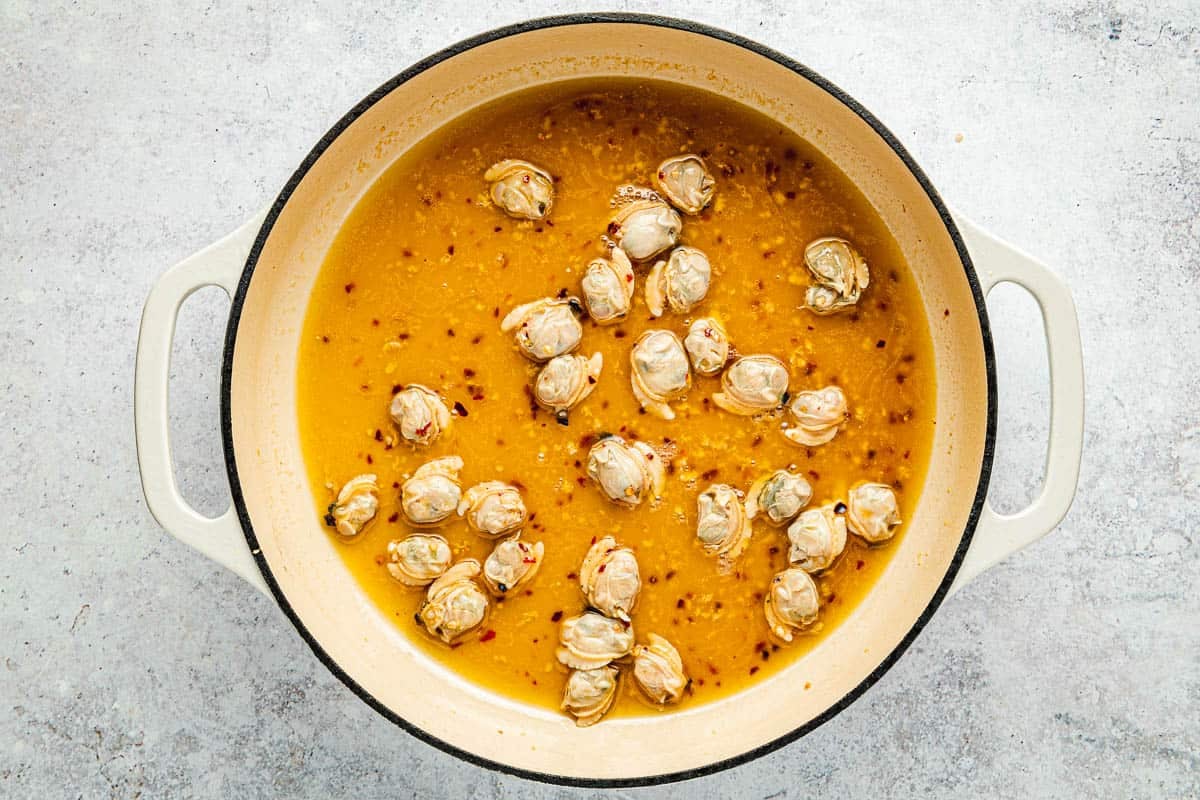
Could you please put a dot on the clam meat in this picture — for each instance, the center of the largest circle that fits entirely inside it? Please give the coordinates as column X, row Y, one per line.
column 679, row 283
column 608, row 285
column 721, row 524
column 609, row 578
column 590, row 693
column 707, row 346
column 791, row 603
column 521, row 189
column 454, row 604
column 752, row 385
column 592, row 640
column 545, row 328
column 818, row 416
column 433, row 492
column 841, row 275
column 686, row 182
column 418, row 560
column 626, row 472
column 419, row 413
column 356, row 505
column 511, row 563
column 872, row 512
column 565, row 381
column 817, row 537
column 660, row 371
column 493, row 508
column 644, row 228
column 779, row 497
column 658, row 670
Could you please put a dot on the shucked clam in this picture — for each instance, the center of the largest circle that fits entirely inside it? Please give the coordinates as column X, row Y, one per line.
column 589, row 694
column 511, row 563
column 418, row 560
column 752, row 385
column 592, row 640
column 818, row 537
column 779, row 497
column 609, row 578
column 818, row 416
column 679, row 283
column 872, row 512
column 608, row 285
column 356, row 505
column 791, row 603
column 545, row 328
column 565, row 381
column 433, row 492
column 658, row 670
column 493, row 508
column 626, row 472
column 841, row 275
column 721, row 524
column 419, row 413
column 660, row 371
column 644, row 228
column 454, row 603
column 686, row 182
column 523, row 190
column 707, row 346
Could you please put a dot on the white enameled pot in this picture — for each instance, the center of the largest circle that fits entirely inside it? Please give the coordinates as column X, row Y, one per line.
column 272, row 538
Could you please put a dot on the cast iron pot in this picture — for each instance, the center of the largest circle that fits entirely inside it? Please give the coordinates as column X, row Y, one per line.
column 272, row 537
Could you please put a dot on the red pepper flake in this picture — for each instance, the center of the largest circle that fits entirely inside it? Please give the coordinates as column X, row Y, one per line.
column 529, row 593
column 395, row 516
column 908, row 358
column 713, row 669
column 369, row 459
column 593, row 540
column 619, row 333
column 374, row 323
column 496, row 311
column 349, row 287
column 756, row 441
column 572, row 576
column 468, row 373
column 709, row 474
column 670, row 574
column 832, row 596
column 407, row 253
column 753, row 670
column 901, row 377
column 477, row 338
column 556, row 616
column 488, row 635
column 325, row 339
column 378, row 435
column 860, row 564
column 395, row 484
column 774, row 550
column 460, row 409
column 424, row 429
column 881, row 344
column 450, row 332
column 768, row 254
column 379, row 563
column 601, row 568
column 397, row 388
column 789, row 194
column 946, row 313
column 679, row 603
column 809, row 368
column 653, row 579
column 402, row 337
column 450, row 250
column 816, row 476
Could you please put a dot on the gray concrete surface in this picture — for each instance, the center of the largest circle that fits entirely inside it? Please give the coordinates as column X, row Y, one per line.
column 130, row 138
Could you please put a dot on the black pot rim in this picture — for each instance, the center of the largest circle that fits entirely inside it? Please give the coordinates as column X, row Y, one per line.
column 238, row 301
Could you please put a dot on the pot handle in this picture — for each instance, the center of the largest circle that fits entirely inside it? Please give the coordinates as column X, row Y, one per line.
column 1000, row 535
column 220, row 538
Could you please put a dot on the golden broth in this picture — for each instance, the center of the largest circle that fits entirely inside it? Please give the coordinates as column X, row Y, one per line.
column 413, row 291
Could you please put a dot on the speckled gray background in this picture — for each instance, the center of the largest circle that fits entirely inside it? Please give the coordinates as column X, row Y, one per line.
column 128, row 139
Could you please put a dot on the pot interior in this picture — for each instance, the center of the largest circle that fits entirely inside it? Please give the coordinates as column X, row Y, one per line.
column 354, row 636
